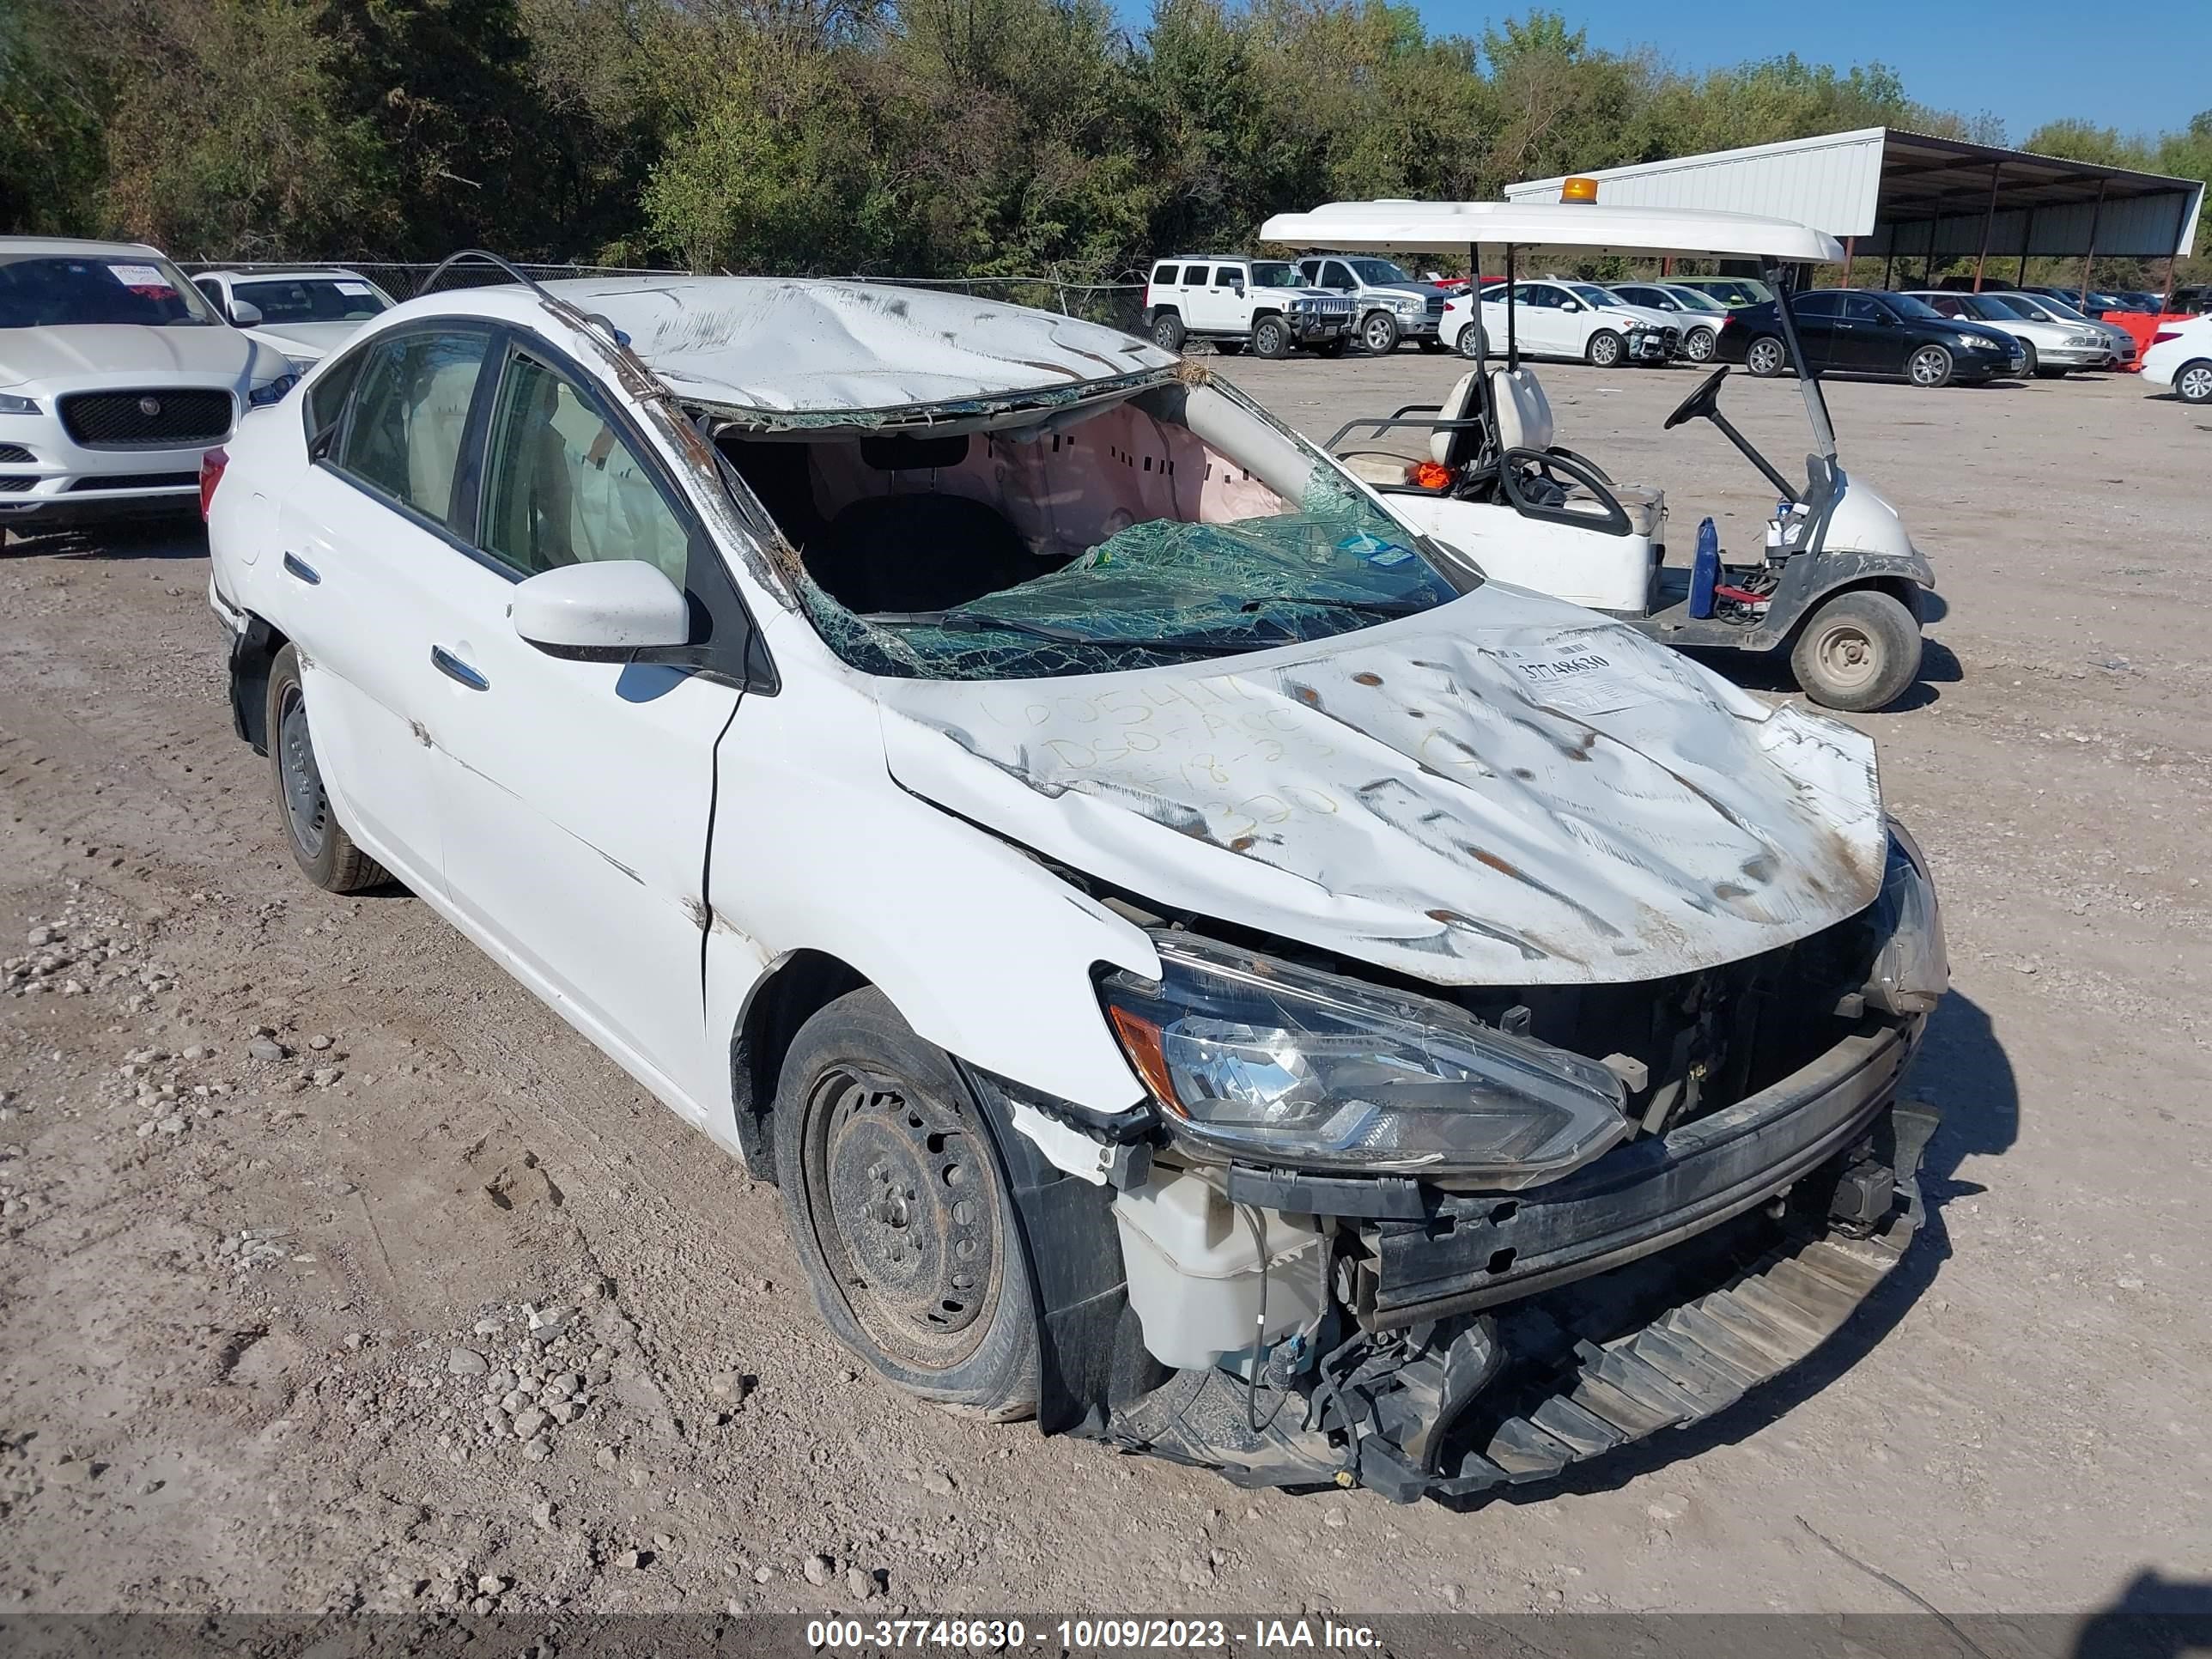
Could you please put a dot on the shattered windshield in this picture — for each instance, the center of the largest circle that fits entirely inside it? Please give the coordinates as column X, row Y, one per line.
column 1177, row 525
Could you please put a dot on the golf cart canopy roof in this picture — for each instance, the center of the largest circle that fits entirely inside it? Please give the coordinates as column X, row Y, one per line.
column 1453, row 226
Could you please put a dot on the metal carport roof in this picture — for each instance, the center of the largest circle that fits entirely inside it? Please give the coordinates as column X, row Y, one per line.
column 1886, row 192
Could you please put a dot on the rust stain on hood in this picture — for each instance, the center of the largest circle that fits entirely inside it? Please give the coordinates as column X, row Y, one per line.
column 1505, row 790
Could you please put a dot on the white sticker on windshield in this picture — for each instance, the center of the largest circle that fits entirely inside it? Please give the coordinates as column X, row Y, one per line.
column 361, row 288
column 141, row 277
column 1589, row 683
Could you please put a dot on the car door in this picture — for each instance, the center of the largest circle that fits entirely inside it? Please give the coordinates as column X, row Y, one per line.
column 1546, row 325
column 578, row 794
column 1227, row 297
column 365, row 536
column 1817, row 315
column 1872, row 339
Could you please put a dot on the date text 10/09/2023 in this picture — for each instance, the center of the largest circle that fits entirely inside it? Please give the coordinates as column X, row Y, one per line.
column 1253, row 1636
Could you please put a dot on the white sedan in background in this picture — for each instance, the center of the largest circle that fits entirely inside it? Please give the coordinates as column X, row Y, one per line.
column 304, row 314
column 115, row 378
column 1579, row 321
column 2180, row 356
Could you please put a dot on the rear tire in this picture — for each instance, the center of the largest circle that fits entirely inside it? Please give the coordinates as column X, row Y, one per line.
column 2193, row 385
column 1857, row 652
column 1765, row 357
column 321, row 847
column 896, row 1202
column 1699, row 344
column 1605, row 349
column 1470, row 343
column 1271, row 337
column 1168, row 331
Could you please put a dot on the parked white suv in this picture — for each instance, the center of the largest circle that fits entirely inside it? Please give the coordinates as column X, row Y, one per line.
column 1202, row 966
column 115, row 378
column 1235, row 301
column 1579, row 321
column 304, row 314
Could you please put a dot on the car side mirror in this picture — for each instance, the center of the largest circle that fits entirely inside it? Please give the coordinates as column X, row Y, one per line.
column 604, row 608
column 245, row 314
column 1571, row 305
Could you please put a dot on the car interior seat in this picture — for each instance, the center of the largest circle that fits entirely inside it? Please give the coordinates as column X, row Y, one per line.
column 918, row 550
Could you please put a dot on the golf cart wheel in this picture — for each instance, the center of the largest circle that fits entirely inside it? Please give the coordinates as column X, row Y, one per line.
column 326, row 855
column 1605, row 348
column 1378, row 334
column 2194, row 384
column 896, row 1204
column 1271, row 337
column 1471, row 345
column 1699, row 345
column 1168, row 331
column 1857, row 651
column 1765, row 357
column 1929, row 367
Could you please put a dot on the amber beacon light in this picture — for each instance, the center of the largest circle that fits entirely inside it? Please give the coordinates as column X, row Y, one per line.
column 1578, row 190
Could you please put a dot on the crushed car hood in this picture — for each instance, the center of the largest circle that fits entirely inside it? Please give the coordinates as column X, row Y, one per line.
column 1504, row 791
column 108, row 350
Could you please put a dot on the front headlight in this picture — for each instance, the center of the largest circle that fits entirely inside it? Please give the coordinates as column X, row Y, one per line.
column 1411, row 307
column 1256, row 1058
column 1980, row 342
column 262, row 396
column 12, row 404
column 1912, row 964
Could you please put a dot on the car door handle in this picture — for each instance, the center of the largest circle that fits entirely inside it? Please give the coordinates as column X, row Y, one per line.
column 455, row 669
column 299, row 568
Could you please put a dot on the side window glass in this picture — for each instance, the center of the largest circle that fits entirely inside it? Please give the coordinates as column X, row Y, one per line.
column 1163, row 275
column 1862, row 310
column 325, row 398
column 411, row 418
column 1814, row 305
column 1193, row 276
column 1335, row 274
column 562, row 487
column 1227, row 275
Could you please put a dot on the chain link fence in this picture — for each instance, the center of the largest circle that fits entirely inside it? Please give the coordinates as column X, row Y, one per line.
column 1116, row 305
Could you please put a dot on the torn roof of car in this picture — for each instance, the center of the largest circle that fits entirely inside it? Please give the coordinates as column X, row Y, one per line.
column 780, row 351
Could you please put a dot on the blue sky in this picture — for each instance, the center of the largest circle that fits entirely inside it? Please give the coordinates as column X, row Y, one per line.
column 2142, row 69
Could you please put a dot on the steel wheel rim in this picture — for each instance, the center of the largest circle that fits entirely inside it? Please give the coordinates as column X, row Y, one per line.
column 1270, row 340
column 1163, row 335
column 904, row 1199
column 1927, row 365
column 2195, row 383
column 1848, row 656
column 306, row 807
column 1698, row 348
column 1765, row 357
column 1377, row 336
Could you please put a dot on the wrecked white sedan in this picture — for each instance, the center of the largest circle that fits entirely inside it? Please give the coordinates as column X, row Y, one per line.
column 1203, row 966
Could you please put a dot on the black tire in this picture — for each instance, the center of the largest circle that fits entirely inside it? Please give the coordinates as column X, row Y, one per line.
column 1229, row 348
column 1378, row 334
column 1470, row 342
column 1605, row 349
column 1699, row 344
column 2192, row 383
column 2031, row 364
column 1857, row 651
column 1168, row 331
column 319, row 844
column 1765, row 356
column 896, row 1201
column 1929, row 367
column 1432, row 345
column 1331, row 348
column 1271, row 337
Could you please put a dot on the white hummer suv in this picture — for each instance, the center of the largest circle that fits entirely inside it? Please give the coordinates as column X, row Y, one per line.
column 1230, row 299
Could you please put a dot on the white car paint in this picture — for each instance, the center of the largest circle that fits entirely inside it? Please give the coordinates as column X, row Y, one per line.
column 1557, row 318
column 2180, row 356
column 878, row 820
column 304, row 341
column 52, row 466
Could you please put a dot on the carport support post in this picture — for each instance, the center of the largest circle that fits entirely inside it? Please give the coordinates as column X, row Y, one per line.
column 1988, row 223
column 2096, row 213
column 1889, row 258
column 2027, row 240
column 1850, row 255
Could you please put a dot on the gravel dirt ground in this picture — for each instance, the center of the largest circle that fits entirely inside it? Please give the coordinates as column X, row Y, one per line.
column 287, row 1180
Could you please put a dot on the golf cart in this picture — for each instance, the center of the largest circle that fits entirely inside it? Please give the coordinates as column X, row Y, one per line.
column 1838, row 583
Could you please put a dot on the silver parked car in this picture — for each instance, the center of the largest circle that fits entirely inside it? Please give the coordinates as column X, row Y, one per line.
column 1698, row 315
column 2045, row 308
column 2052, row 347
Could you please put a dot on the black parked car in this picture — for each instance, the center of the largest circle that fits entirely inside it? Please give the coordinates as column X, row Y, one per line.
column 1854, row 330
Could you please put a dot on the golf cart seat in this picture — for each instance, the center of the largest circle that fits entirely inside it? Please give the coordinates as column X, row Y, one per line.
column 1450, row 445
column 1524, row 421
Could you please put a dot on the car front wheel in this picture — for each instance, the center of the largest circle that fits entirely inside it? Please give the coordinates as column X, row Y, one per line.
column 1765, row 357
column 1930, row 367
column 326, row 855
column 2194, row 384
column 896, row 1202
column 1271, row 337
column 1379, row 333
column 1605, row 348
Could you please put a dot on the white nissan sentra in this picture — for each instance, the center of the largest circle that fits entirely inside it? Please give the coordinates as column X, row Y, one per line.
column 1202, row 966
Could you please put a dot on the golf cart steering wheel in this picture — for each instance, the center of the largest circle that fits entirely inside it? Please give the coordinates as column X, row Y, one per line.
column 1700, row 403
column 1530, row 482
